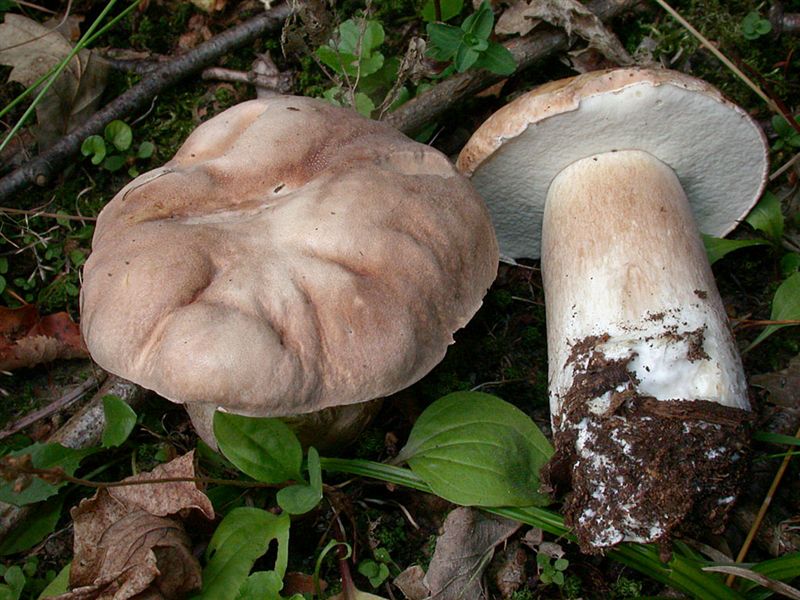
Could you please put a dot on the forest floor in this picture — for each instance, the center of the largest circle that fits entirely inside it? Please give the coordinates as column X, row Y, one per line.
column 45, row 238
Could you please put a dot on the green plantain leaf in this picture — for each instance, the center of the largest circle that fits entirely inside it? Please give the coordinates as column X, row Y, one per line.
column 475, row 449
column 265, row 449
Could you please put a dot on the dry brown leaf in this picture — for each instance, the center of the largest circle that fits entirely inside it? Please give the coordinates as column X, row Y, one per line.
column 463, row 551
column 165, row 498
column 411, row 582
column 31, row 49
column 26, row 339
column 783, row 386
column 570, row 15
column 125, row 544
column 508, row 569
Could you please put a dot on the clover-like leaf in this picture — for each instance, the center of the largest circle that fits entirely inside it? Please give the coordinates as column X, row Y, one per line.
column 119, row 134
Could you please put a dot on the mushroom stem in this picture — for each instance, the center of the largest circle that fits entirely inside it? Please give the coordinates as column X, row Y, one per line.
column 644, row 372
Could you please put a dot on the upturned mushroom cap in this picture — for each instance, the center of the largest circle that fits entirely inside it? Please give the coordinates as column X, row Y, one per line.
column 717, row 151
column 292, row 256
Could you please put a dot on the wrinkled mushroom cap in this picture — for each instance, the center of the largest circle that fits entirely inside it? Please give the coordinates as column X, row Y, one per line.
column 292, row 256
column 717, row 151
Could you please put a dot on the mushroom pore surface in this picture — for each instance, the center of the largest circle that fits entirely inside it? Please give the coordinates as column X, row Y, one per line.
column 714, row 147
column 292, row 256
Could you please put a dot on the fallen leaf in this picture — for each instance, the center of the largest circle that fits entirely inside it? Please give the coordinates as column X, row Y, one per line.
column 569, row 15
column 508, row 569
column 128, row 542
column 463, row 551
column 26, row 339
column 783, row 386
column 166, row 498
column 412, row 583
column 300, row 583
column 31, row 49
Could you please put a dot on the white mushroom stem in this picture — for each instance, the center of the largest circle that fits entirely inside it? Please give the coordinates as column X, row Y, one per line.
column 633, row 317
column 622, row 258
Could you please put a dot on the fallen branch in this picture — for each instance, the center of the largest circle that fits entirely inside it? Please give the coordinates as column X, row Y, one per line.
column 83, row 430
column 44, row 166
column 419, row 111
column 55, row 406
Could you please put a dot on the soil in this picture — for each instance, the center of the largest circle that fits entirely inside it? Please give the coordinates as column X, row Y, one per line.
column 646, row 469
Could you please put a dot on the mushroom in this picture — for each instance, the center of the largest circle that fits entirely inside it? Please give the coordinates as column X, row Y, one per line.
column 608, row 176
column 293, row 257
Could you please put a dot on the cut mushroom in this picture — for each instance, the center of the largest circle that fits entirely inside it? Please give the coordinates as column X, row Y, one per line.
column 292, row 257
column 607, row 176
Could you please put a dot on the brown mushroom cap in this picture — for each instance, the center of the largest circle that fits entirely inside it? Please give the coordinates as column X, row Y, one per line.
column 717, row 151
column 292, row 256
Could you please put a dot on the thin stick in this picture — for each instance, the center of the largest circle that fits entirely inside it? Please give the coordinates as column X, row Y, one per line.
column 40, row 169
column 722, row 58
column 59, row 404
column 38, row 213
column 763, row 510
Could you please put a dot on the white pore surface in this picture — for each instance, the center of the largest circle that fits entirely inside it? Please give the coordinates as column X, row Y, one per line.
column 715, row 151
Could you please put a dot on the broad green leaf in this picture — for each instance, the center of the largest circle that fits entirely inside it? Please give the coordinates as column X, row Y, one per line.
column 301, row 498
column 351, row 51
column 788, row 134
column 261, row 585
column 243, row 537
column 145, row 150
column 465, row 58
column 120, row 421
column 364, row 104
column 43, row 456
column 314, row 469
column 480, row 22
column 114, row 163
column 767, row 217
column 717, row 248
column 14, row 584
column 497, row 59
column 475, row 449
column 352, row 41
column 77, row 257
column 298, row 499
column 41, row 523
column 785, row 307
column 265, row 449
column 119, row 134
column 3, row 264
column 790, row 263
column 444, row 41
column 95, row 147
column 59, row 585
column 376, row 572
column 450, row 9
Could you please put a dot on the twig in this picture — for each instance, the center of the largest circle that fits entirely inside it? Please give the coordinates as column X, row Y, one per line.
column 59, row 404
column 763, row 510
column 419, row 111
column 83, row 430
column 40, row 169
column 721, row 57
column 38, row 213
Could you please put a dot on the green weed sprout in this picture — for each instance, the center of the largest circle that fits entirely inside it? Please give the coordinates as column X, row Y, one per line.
column 469, row 46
